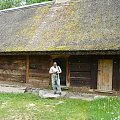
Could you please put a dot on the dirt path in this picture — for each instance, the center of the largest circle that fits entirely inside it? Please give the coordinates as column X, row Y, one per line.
column 12, row 89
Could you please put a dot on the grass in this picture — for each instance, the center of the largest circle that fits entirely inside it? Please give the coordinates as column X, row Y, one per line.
column 5, row 4
column 31, row 107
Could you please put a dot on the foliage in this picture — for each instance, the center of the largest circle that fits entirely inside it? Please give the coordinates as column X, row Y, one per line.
column 30, row 107
column 4, row 4
column 35, row 1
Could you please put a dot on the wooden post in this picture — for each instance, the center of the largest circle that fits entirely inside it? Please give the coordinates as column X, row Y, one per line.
column 67, row 73
column 94, row 73
column 27, row 68
column 116, row 75
column 51, row 62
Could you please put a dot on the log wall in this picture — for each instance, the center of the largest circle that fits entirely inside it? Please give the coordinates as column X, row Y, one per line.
column 39, row 70
column 12, row 68
column 80, row 71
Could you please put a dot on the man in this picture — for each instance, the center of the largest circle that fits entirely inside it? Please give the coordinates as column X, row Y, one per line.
column 55, row 71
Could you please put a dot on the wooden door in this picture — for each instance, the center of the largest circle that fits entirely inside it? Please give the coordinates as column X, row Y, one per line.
column 80, row 71
column 105, row 67
column 116, row 74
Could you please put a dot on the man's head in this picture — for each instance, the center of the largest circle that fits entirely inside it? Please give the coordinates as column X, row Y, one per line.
column 54, row 64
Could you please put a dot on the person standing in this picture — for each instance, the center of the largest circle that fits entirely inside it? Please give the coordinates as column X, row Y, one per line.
column 55, row 71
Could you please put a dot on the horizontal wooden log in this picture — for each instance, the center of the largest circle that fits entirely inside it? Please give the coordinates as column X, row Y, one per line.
column 80, row 74
column 13, row 79
column 80, row 59
column 80, row 78
column 38, row 78
column 12, row 66
column 80, row 83
column 39, row 84
column 80, row 67
column 12, row 76
column 39, row 75
column 42, row 82
column 40, row 64
column 38, row 71
column 12, row 72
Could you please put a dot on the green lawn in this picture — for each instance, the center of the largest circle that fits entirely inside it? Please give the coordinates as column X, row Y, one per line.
column 30, row 107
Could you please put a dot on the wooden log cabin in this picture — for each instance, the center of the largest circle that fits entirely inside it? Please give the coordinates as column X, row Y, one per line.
column 82, row 36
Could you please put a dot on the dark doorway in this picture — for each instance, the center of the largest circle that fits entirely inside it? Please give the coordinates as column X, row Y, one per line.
column 62, row 63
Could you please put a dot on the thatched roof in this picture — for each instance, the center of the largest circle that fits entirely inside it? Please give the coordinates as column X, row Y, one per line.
column 76, row 25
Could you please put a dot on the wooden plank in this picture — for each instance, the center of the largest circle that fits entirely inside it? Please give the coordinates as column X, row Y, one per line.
column 67, row 73
column 105, row 75
column 27, row 69
column 13, row 78
column 39, row 75
column 116, row 74
column 80, row 74
column 80, row 59
column 80, row 67
column 12, row 68
column 94, row 73
column 12, row 72
column 41, row 65
column 81, row 78
column 80, row 82
column 39, row 78
column 39, row 59
column 80, row 71
column 39, row 68
column 39, row 71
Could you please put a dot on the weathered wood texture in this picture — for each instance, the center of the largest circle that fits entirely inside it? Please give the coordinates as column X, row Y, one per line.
column 67, row 73
column 39, row 70
column 105, row 70
column 94, row 72
column 116, row 74
column 80, row 71
column 12, row 68
column 27, row 69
